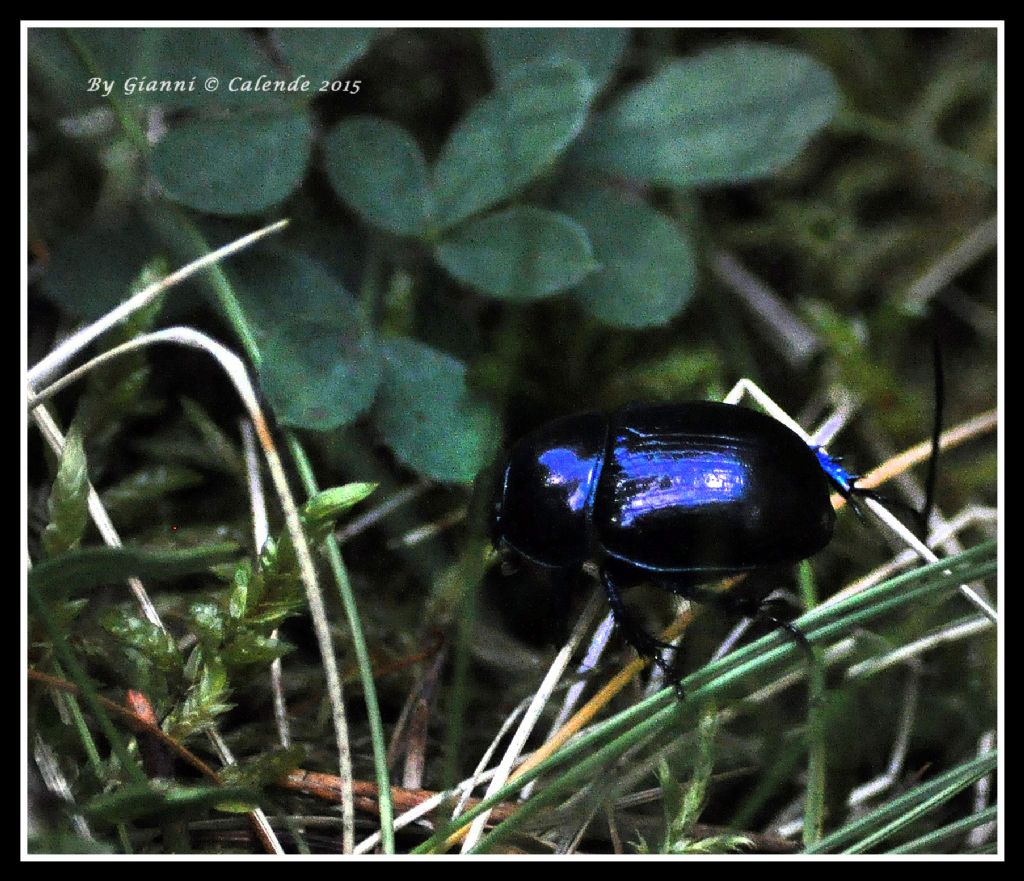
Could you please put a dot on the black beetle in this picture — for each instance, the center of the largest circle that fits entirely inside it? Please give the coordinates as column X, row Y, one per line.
column 677, row 495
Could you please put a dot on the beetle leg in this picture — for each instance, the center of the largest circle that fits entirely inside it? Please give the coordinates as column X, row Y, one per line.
column 757, row 610
column 763, row 613
column 645, row 645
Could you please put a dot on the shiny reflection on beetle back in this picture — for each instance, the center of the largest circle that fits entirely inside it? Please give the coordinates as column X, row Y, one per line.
column 571, row 472
column 548, row 489
column 693, row 480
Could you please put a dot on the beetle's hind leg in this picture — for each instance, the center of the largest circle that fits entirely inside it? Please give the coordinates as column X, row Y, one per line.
column 763, row 612
column 645, row 644
column 755, row 609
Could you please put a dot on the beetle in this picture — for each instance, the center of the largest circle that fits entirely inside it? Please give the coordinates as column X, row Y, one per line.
column 678, row 495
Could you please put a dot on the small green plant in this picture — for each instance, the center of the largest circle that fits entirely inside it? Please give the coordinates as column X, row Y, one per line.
column 683, row 804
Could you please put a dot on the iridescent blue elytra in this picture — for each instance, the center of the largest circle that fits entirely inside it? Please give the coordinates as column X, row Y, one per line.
column 677, row 494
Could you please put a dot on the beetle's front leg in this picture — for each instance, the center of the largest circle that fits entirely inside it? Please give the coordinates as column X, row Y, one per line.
column 645, row 645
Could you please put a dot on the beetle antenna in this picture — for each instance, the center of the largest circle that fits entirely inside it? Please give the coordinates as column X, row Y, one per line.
column 850, row 489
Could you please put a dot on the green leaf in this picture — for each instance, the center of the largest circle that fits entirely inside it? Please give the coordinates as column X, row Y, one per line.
column 247, row 648
column 149, row 484
column 264, row 769
column 93, row 271
column 734, row 114
column 138, row 800
column 206, row 700
column 272, row 591
column 238, row 599
column 320, row 361
column 289, row 600
column 597, row 49
column 377, row 168
column 510, row 137
column 523, row 253
column 319, row 376
column 116, row 391
column 152, row 642
column 55, row 62
column 428, row 416
column 64, row 613
column 239, row 165
column 648, row 270
column 192, row 56
column 142, row 320
column 207, row 621
column 319, row 53
column 82, row 569
column 329, row 504
column 68, row 504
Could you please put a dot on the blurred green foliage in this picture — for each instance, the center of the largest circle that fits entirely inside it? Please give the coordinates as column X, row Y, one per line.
column 735, row 112
column 557, row 164
column 490, row 228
